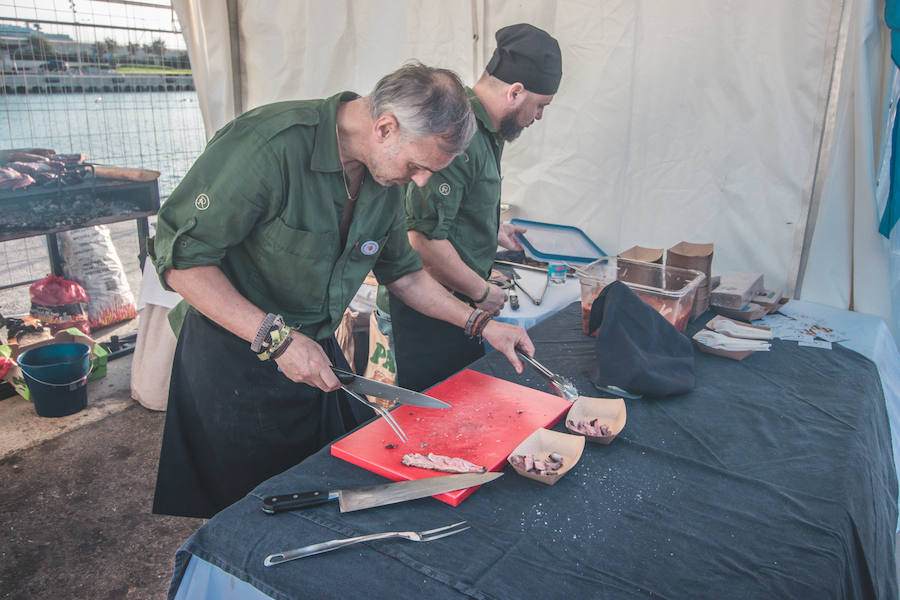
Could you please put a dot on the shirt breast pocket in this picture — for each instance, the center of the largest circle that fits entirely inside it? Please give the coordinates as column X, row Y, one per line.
column 297, row 266
column 364, row 255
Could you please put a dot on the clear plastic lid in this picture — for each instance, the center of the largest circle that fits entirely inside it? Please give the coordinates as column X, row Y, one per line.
column 557, row 243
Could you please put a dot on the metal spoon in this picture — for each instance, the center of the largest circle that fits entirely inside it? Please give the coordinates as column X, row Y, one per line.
column 561, row 385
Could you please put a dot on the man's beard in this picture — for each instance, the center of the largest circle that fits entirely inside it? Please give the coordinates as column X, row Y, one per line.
column 509, row 127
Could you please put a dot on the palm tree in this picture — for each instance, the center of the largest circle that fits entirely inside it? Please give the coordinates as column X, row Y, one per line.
column 132, row 49
column 158, row 47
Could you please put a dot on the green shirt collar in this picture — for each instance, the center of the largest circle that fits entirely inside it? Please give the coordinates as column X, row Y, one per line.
column 325, row 157
column 480, row 112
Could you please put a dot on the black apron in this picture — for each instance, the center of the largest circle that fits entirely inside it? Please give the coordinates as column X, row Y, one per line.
column 233, row 421
column 428, row 350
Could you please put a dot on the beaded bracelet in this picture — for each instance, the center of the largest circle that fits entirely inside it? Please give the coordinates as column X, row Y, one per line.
column 473, row 316
column 272, row 321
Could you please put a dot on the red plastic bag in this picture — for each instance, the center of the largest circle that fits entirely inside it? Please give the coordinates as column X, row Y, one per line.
column 60, row 304
column 5, row 364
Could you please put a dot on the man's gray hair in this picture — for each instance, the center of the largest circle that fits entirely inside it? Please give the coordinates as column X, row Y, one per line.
column 426, row 101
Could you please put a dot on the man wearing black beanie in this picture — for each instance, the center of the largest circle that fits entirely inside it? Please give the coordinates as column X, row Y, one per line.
column 454, row 221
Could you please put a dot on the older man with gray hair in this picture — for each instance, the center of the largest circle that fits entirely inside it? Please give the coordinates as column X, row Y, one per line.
column 267, row 238
column 454, row 220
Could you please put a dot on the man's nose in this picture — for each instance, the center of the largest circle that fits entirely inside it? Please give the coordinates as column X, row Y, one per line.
column 421, row 177
column 540, row 113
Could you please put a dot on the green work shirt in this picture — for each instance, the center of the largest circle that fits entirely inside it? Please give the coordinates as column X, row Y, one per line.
column 263, row 203
column 461, row 203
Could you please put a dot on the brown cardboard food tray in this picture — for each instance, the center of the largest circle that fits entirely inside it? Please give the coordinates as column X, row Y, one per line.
column 699, row 257
column 544, row 441
column 688, row 255
column 732, row 354
column 639, row 253
column 609, row 411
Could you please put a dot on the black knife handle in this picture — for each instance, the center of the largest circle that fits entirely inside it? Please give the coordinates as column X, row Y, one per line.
column 277, row 504
column 344, row 376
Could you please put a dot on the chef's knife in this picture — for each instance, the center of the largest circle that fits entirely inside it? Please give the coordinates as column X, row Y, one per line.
column 377, row 495
column 370, row 387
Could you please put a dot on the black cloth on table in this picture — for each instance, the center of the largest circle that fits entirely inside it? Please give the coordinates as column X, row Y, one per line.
column 638, row 350
column 772, row 478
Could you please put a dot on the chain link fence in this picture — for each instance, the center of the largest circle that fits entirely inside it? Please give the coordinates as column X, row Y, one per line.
column 109, row 79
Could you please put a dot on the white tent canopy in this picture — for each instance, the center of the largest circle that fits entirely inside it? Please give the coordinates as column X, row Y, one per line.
column 758, row 126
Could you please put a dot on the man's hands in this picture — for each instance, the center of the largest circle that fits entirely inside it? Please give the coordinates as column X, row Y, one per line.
column 495, row 300
column 507, row 338
column 506, row 236
column 305, row 362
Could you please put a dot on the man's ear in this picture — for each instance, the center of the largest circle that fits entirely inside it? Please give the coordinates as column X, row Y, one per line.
column 515, row 95
column 384, row 127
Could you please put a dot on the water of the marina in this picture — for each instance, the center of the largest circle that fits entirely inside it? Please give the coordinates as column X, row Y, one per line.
column 162, row 131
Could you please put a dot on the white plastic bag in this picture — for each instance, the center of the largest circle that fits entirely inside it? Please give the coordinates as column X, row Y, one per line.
column 91, row 260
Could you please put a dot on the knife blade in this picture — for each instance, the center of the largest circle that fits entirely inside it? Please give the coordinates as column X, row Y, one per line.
column 370, row 387
column 377, row 495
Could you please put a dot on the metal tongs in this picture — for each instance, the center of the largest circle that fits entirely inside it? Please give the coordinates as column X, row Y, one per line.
column 381, row 411
column 561, row 385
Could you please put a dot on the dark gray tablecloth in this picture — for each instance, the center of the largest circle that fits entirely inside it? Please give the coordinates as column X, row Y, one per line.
column 773, row 478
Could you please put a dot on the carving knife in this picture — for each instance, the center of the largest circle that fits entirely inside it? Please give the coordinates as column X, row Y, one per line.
column 370, row 387
column 377, row 495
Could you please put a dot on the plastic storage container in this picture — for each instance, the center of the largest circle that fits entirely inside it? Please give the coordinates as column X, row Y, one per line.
column 670, row 290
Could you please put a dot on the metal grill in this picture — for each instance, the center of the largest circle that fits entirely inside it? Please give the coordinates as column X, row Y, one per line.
column 107, row 78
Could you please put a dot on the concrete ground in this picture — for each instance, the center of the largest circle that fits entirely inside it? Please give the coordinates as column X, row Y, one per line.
column 76, row 491
column 75, row 500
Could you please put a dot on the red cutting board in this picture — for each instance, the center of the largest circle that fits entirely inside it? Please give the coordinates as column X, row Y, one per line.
column 488, row 419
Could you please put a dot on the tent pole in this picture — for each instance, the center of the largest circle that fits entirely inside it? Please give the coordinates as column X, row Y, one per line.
column 478, row 39
column 826, row 142
column 234, row 38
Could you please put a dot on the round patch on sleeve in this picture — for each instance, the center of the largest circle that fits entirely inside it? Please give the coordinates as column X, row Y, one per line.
column 444, row 189
column 202, row 202
column 369, row 248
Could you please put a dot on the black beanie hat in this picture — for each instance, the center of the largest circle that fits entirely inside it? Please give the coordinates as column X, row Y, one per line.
column 527, row 55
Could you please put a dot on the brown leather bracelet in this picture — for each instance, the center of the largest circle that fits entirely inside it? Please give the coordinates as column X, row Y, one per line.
column 487, row 292
column 284, row 345
column 482, row 322
column 470, row 322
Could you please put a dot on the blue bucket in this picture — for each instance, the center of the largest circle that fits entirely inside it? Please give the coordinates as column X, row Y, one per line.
column 56, row 375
